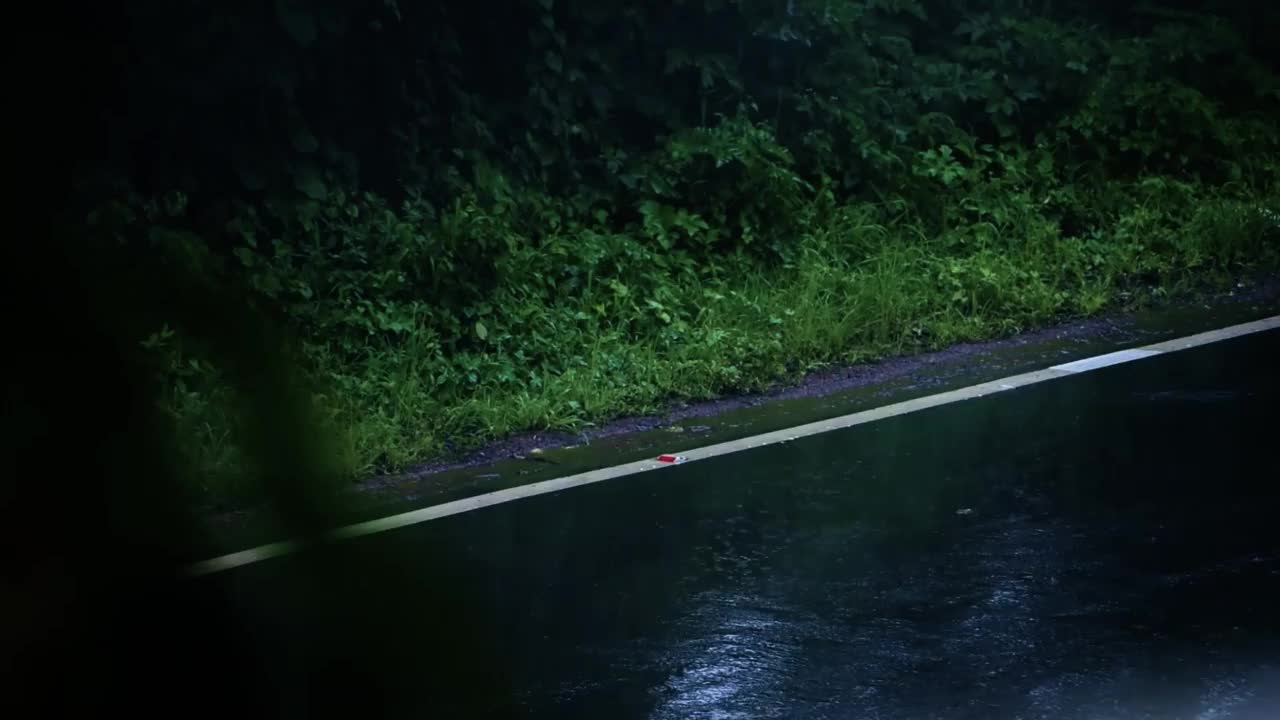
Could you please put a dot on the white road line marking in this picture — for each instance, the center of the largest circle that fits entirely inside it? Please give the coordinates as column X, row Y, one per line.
column 413, row 517
column 1101, row 361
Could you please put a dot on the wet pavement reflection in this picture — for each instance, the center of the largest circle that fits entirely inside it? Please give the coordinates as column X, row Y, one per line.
column 1103, row 546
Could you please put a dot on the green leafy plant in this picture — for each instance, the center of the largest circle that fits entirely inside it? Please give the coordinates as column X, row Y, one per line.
column 590, row 209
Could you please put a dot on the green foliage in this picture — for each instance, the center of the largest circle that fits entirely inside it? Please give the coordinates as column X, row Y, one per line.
column 481, row 227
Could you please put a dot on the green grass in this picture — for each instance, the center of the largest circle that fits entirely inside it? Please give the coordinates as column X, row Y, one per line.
column 858, row 287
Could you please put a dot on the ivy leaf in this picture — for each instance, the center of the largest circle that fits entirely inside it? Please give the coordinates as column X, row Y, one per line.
column 482, row 332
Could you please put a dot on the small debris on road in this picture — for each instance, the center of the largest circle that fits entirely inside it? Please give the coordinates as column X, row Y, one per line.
column 535, row 455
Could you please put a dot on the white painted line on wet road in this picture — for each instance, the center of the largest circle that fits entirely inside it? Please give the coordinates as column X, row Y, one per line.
column 1102, row 361
column 1213, row 336
column 434, row 512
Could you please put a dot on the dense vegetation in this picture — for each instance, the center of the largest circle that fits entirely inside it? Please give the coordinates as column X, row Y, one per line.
column 479, row 219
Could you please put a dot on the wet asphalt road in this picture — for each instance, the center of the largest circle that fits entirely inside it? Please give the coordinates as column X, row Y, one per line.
column 1101, row 546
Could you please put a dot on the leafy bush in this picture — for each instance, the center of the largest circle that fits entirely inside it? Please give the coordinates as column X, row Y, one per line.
column 477, row 228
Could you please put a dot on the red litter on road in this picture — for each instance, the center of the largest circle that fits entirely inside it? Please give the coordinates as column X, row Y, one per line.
column 672, row 458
